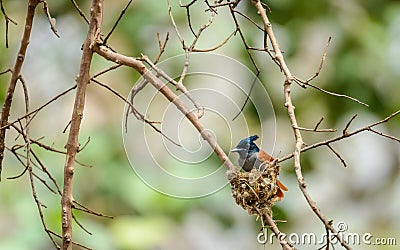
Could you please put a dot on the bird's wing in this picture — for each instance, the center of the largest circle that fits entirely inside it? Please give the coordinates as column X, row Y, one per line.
column 264, row 156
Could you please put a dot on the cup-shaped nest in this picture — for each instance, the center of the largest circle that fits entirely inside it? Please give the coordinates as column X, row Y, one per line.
column 255, row 191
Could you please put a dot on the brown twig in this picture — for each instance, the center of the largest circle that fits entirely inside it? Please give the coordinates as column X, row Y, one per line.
column 81, row 207
column 72, row 146
column 345, row 130
column 284, row 243
column 80, row 225
column 136, row 112
column 329, row 92
column 218, row 46
column 247, row 96
column 178, row 85
column 278, row 57
column 168, row 93
column 116, row 22
column 32, row 175
column 7, row 19
column 5, row 113
column 161, row 46
column 35, row 111
column 316, row 130
column 52, row 21
column 81, row 13
column 346, row 135
column 73, row 242
column 337, row 154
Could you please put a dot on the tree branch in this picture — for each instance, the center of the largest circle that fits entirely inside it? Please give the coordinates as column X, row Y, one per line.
column 96, row 17
column 5, row 113
column 278, row 58
column 168, row 93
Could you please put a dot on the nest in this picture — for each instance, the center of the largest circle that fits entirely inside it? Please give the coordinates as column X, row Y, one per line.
column 255, row 191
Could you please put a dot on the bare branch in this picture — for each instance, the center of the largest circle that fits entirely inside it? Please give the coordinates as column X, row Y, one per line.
column 52, row 21
column 179, row 86
column 169, row 94
column 322, row 61
column 216, row 47
column 106, row 70
column 316, row 130
column 96, row 18
column 278, row 57
column 330, row 93
column 161, row 46
column 7, row 19
column 318, row 123
column 337, row 154
column 116, row 22
column 346, row 135
column 81, row 207
column 285, row 244
column 247, row 96
column 81, row 13
column 5, row 113
column 80, row 225
column 384, row 135
column 136, row 112
column 348, row 124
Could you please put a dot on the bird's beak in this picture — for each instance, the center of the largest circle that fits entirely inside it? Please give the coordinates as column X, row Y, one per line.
column 237, row 149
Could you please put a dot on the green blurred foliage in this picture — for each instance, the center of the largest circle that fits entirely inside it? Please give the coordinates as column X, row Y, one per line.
column 362, row 62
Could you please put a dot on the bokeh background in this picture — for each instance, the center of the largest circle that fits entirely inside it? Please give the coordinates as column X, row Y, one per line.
column 363, row 61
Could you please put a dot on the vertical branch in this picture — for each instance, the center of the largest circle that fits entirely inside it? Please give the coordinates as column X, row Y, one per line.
column 96, row 16
column 5, row 113
column 279, row 59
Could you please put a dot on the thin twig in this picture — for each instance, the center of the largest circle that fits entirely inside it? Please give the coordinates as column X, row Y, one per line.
column 80, row 225
column 384, row 135
column 7, row 19
column 32, row 175
column 337, row 154
column 248, row 95
column 348, row 125
column 40, row 108
column 322, row 61
column 346, row 135
column 136, row 112
column 316, row 130
column 318, row 123
column 169, row 94
column 106, row 70
column 284, row 243
column 161, row 46
column 246, row 45
column 73, row 242
column 52, row 21
column 5, row 113
column 116, row 22
column 81, row 207
column 178, row 85
column 329, row 92
column 216, row 47
column 81, row 13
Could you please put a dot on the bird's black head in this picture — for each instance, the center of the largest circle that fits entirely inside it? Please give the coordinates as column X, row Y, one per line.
column 247, row 146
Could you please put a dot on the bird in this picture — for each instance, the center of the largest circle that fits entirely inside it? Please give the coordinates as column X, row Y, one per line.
column 251, row 156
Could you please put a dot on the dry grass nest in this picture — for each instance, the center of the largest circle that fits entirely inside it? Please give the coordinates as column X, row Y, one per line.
column 255, row 191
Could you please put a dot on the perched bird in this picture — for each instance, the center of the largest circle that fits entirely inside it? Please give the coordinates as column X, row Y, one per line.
column 251, row 156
